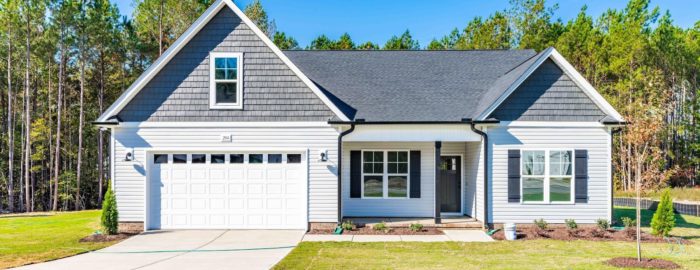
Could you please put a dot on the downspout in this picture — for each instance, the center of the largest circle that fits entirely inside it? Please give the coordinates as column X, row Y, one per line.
column 613, row 131
column 486, row 172
column 340, row 171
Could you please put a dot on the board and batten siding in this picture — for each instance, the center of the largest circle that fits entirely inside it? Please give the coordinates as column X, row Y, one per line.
column 594, row 139
column 130, row 177
column 180, row 91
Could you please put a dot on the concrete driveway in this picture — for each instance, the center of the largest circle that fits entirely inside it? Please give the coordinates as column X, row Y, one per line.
column 187, row 249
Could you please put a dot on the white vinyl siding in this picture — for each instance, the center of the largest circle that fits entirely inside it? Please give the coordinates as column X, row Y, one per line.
column 593, row 139
column 130, row 176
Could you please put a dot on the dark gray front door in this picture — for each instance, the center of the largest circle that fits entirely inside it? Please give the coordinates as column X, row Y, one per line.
column 450, row 184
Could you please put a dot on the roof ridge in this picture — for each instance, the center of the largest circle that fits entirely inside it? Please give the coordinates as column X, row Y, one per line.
column 420, row 50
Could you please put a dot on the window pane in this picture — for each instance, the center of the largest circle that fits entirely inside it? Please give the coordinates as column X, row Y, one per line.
column 533, row 189
column 393, row 156
column 293, row 158
column 373, row 186
column 255, row 158
column 560, row 162
column 218, row 159
column 393, row 168
column 560, row 189
column 533, row 162
column 398, row 186
column 403, row 167
column 403, row 156
column 160, row 158
column 219, row 73
column 179, row 158
column 378, row 156
column 274, row 158
column 236, row 158
column 226, row 92
column 199, row 158
column 378, row 167
column 231, row 74
column 367, row 156
column 368, row 168
column 231, row 62
column 220, row 62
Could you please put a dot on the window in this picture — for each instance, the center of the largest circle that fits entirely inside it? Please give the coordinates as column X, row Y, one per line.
column 236, row 158
column 225, row 80
column 199, row 158
column 293, row 158
column 547, row 175
column 218, row 158
column 160, row 158
column 385, row 174
column 255, row 158
column 180, row 158
column 274, row 158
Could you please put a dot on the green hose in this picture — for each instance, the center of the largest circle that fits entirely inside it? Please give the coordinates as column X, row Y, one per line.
column 190, row 250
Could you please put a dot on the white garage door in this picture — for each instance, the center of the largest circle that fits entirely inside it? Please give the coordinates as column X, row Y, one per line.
column 227, row 191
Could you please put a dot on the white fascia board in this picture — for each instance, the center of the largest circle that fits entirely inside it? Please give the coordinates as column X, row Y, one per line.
column 187, row 36
column 412, row 133
column 549, row 124
column 219, row 124
column 581, row 82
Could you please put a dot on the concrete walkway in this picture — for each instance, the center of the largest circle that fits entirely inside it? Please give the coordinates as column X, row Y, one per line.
column 187, row 249
column 450, row 235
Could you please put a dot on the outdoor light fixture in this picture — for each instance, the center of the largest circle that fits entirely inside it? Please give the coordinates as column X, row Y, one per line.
column 324, row 155
column 129, row 156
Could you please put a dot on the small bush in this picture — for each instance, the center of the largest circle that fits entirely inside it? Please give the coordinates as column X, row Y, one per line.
column 541, row 224
column 110, row 215
column 571, row 224
column 664, row 220
column 597, row 232
column 381, row 226
column 347, row 225
column 603, row 224
column 628, row 222
column 416, row 227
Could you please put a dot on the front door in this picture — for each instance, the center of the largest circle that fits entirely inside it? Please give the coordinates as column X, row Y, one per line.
column 450, row 184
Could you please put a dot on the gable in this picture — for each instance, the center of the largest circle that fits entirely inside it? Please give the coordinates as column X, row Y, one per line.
column 272, row 91
column 548, row 94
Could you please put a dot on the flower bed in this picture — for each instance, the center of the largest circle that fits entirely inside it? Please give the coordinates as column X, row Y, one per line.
column 589, row 233
column 365, row 230
column 644, row 263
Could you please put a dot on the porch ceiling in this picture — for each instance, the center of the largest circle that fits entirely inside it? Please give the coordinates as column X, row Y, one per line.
column 412, row 133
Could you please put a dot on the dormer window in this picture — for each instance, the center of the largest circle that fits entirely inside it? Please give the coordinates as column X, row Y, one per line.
column 225, row 80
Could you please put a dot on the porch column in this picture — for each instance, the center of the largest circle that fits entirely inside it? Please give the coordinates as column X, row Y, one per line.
column 438, row 146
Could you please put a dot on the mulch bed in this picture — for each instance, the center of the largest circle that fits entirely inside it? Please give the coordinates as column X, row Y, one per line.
column 391, row 231
column 590, row 233
column 644, row 263
column 105, row 237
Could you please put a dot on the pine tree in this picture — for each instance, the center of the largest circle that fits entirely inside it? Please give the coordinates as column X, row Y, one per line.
column 664, row 219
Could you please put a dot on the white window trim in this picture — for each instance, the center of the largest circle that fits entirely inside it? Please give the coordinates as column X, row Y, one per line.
column 385, row 174
column 547, row 177
column 239, row 81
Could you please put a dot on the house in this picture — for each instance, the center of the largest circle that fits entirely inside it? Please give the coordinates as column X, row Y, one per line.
column 225, row 130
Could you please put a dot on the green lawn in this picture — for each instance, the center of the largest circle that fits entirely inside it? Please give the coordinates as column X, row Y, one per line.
column 46, row 236
column 535, row 254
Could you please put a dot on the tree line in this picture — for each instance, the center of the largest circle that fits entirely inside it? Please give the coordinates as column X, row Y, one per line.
column 65, row 60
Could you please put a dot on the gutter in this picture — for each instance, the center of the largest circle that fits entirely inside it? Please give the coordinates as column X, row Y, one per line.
column 486, row 166
column 340, row 171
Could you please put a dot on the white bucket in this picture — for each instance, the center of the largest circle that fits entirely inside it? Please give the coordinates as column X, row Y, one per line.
column 509, row 230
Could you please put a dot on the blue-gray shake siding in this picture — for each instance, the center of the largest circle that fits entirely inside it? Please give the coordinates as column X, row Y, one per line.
column 548, row 95
column 180, row 91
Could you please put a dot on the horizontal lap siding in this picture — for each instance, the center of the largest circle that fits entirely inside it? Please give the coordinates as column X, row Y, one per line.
column 474, row 173
column 271, row 91
column 595, row 140
column 130, row 177
column 410, row 207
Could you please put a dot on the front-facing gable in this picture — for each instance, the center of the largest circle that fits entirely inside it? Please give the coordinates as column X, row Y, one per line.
column 176, row 87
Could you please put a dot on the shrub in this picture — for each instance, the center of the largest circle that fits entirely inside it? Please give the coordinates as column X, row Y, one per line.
column 571, row 224
column 603, row 224
column 347, row 225
column 664, row 220
column 628, row 222
column 416, row 227
column 381, row 226
column 110, row 215
column 541, row 224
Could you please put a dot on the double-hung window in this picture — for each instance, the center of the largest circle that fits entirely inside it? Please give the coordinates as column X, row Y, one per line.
column 385, row 174
column 225, row 80
column 547, row 176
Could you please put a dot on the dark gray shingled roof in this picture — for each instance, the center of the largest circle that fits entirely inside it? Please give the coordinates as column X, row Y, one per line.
column 411, row 85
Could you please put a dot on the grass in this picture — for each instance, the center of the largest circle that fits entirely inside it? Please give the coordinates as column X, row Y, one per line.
column 39, row 237
column 533, row 254
column 678, row 194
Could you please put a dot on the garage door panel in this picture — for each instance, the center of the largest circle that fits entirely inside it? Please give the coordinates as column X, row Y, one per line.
column 227, row 195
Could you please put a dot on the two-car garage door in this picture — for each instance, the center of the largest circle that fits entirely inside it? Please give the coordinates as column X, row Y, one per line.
column 199, row 190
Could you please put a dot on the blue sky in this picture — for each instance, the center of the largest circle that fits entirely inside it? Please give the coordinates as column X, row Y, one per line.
column 377, row 20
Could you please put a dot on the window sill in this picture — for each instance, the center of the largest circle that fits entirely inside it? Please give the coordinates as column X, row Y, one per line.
column 226, row 106
column 547, row 203
column 383, row 198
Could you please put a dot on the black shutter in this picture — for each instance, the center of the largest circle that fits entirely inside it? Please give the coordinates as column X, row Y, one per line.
column 581, row 174
column 415, row 174
column 355, row 174
column 513, row 175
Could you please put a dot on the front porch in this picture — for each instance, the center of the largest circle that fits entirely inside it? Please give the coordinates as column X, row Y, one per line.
column 454, row 222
